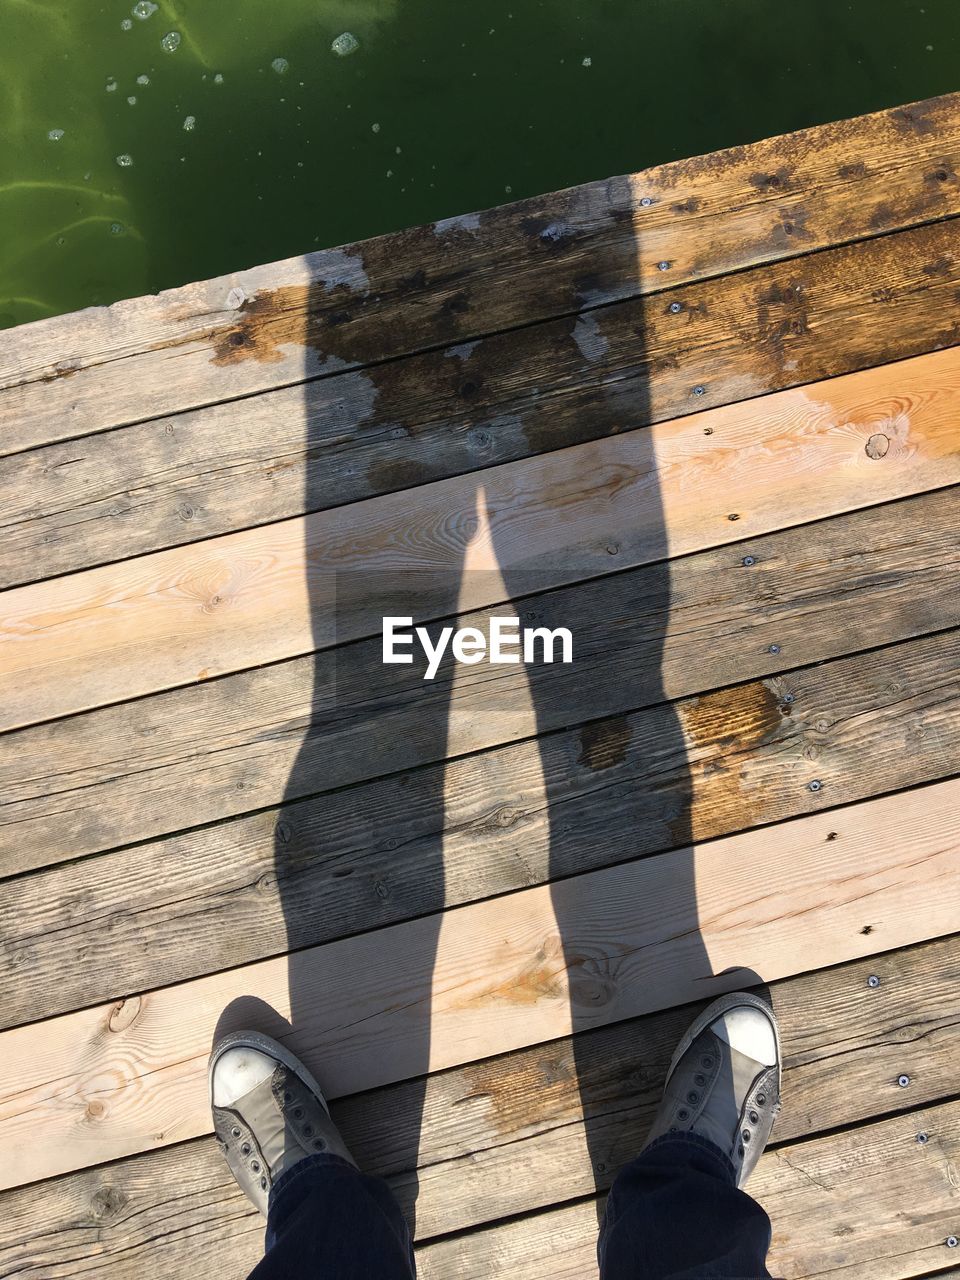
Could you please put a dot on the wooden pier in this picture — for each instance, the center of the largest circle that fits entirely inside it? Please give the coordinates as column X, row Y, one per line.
column 707, row 417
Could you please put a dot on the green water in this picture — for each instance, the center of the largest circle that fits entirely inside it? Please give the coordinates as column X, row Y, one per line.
column 446, row 106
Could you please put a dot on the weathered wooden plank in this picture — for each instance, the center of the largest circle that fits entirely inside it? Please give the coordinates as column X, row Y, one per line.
column 230, row 746
column 342, row 439
column 869, row 1204
column 400, row 847
column 185, row 615
column 493, row 976
column 483, row 1134
column 277, row 324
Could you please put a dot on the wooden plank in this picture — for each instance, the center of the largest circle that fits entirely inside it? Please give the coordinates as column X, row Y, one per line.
column 494, row 976
column 78, row 786
column 185, row 615
column 869, row 1204
column 483, row 1134
column 354, row 436
column 274, row 325
column 610, row 791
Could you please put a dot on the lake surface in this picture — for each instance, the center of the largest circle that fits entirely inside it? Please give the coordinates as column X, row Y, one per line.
column 145, row 146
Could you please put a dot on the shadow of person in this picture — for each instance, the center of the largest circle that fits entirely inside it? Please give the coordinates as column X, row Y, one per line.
column 404, row 800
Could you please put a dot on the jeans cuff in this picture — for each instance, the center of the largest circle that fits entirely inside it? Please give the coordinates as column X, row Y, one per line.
column 681, row 1148
column 292, row 1184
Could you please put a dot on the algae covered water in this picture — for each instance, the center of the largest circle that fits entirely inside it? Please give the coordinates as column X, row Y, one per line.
column 144, row 145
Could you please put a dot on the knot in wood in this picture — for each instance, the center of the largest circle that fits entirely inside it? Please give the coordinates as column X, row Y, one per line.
column 107, row 1203
column 124, row 1013
column 877, row 445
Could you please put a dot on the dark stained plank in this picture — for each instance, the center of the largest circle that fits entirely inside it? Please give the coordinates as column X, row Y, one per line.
column 867, row 1204
column 142, row 769
column 492, row 1128
column 360, row 859
column 274, row 325
column 363, row 433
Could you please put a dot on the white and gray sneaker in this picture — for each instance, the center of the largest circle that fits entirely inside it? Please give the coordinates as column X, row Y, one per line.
column 268, row 1112
column 724, row 1081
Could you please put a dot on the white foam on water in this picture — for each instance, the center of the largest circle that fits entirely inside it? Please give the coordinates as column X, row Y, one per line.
column 345, row 44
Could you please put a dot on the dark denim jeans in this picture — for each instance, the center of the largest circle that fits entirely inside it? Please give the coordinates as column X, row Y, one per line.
column 674, row 1213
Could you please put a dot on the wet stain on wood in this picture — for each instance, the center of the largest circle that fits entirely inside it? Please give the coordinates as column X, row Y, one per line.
column 267, row 322
column 389, row 474
column 529, row 1090
column 721, row 730
column 604, row 743
column 855, row 169
column 910, row 120
column 775, row 181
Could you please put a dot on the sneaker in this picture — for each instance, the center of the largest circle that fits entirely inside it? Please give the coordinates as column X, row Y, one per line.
column 724, row 1081
column 268, row 1112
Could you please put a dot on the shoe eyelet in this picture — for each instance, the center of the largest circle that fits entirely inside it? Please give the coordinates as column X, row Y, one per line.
column 745, row 1135
column 287, row 1095
column 706, row 1062
column 700, row 1080
column 683, row 1114
column 754, row 1118
column 255, row 1166
column 762, row 1099
column 298, row 1113
column 235, row 1131
column 693, row 1098
column 263, row 1184
column 308, row 1130
column 319, row 1144
column 741, row 1152
column 246, row 1149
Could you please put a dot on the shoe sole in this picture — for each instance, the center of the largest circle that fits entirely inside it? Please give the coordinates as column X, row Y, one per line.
column 737, row 1000
column 273, row 1049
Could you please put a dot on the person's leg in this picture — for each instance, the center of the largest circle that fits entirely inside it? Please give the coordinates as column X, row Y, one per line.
column 677, row 1212
column 325, row 1219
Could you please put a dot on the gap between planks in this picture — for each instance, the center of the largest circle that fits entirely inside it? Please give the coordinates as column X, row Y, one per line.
column 494, row 976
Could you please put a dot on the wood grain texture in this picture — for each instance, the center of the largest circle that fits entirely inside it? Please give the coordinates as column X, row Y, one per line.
column 185, row 615
column 552, row 385
column 491, row 1129
column 360, row 859
column 608, row 945
column 234, row 745
column 274, row 325
column 870, row 1204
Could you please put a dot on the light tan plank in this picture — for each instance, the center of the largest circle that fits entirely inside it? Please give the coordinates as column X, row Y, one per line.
column 276, row 324
column 179, row 480
column 870, row 1204
column 573, row 801
column 490, row 977
column 188, row 614
column 77, row 786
